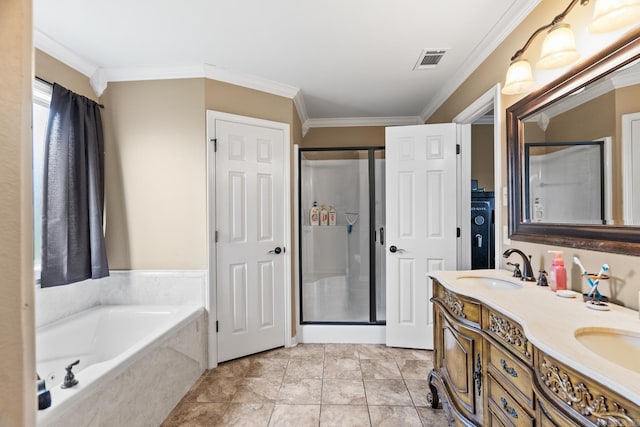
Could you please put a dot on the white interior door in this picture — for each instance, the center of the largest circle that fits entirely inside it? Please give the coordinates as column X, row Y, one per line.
column 250, row 212
column 631, row 170
column 421, row 226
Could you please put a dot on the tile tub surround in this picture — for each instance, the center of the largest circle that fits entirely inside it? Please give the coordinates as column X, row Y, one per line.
column 145, row 392
column 314, row 384
column 122, row 287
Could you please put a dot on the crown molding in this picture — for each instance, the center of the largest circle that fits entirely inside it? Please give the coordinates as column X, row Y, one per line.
column 362, row 121
column 487, row 119
column 626, row 78
column 52, row 48
column 301, row 108
column 500, row 31
column 127, row 74
column 250, row 81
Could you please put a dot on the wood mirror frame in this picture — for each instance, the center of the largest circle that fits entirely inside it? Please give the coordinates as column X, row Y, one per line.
column 615, row 239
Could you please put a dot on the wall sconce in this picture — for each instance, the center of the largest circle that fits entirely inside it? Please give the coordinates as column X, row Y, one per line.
column 559, row 46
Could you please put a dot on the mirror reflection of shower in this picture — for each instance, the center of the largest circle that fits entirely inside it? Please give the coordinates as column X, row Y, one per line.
column 339, row 269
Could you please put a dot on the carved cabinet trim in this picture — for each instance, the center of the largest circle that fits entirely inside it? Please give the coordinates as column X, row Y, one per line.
column 584, row 397
column 509, row 333
column 455, row 306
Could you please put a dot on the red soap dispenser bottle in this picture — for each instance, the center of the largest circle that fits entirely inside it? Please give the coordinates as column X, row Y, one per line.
column 558, row 272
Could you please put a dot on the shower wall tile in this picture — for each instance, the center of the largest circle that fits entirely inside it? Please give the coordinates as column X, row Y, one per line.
column 122, row 287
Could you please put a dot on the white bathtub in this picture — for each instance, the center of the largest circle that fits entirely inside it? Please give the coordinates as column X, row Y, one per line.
column 124, row 351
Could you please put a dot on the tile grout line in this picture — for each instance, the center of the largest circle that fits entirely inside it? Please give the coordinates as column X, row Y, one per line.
column 364, row 388
column 322, row 383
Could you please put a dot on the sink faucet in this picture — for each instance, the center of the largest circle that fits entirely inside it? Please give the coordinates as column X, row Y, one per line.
column 527, row 270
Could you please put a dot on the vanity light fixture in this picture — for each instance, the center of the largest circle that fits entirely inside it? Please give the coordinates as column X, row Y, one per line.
column 611, row 15
column 559, row 46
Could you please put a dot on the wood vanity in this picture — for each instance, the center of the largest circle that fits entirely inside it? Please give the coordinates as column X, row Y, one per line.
column 510, row 358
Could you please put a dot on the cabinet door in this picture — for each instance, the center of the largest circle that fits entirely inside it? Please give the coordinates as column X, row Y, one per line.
column 459, row 359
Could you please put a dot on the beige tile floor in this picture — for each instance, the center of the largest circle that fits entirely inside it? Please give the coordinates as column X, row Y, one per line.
column 314, row 384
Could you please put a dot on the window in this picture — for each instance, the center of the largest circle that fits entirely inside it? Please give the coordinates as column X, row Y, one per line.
column 41, row 103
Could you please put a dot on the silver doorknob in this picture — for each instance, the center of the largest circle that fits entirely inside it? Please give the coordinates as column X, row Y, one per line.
column 277, row 250
column 393, row 249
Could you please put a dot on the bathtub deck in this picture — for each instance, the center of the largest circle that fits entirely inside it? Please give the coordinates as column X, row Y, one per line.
column 311, row 384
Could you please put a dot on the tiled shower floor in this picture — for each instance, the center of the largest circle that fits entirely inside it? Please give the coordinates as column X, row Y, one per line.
column 314, row 384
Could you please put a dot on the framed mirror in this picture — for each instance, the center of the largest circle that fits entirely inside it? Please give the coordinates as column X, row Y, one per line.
column 548, row 133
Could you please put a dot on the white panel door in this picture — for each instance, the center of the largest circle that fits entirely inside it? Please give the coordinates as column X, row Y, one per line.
column 421, row 226
column 251, row 234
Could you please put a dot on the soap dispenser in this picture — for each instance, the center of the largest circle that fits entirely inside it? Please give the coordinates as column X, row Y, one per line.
column 558, row 273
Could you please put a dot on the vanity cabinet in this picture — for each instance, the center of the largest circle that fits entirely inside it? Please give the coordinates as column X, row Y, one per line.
column 458, row 355
column 487, row 373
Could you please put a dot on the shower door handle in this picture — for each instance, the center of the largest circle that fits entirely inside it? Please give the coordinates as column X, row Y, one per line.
column 276, row 251
column 394, row 249
column 382, row 236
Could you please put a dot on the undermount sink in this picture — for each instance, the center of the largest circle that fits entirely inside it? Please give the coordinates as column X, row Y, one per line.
column 617, row 346
column 491, row 282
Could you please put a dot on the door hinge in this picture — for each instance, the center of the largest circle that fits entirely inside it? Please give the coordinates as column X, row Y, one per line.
column 216, row 326
column 216, row 236
column 457, row 231
column 457, row 148
column 215, row 145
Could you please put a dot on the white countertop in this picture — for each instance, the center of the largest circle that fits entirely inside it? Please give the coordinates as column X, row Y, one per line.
column 549, row 322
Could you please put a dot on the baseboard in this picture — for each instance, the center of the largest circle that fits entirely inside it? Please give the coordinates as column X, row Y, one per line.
column 348, row 334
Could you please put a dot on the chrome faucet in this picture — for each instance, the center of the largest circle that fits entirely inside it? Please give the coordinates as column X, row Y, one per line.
column 527, row 270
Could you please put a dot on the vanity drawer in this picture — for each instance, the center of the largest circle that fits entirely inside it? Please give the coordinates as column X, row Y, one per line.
column 463, row 309
column 508, row 333
column 501, row 402
column 511, row 373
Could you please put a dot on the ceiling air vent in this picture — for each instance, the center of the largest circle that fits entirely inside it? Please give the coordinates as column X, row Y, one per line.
column 429, row 58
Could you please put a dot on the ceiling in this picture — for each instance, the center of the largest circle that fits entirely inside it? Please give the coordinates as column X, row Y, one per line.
column 339, row 59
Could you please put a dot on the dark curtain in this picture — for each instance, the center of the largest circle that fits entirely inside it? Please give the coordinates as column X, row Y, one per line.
column 73, row 246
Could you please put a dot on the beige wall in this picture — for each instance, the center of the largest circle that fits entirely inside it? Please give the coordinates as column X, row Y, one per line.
column 54, row 71
column 573, row 125
column 17, row 348
column 156, row 175
column 482, row 155
column 492, row 71
column 358, row 136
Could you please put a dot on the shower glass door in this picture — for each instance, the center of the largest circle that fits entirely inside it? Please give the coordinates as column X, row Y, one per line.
column 338, row 261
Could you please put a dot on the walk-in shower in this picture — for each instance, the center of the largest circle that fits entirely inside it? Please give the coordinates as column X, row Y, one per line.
column 342, row 266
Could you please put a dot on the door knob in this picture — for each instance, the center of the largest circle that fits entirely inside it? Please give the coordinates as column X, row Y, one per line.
column 393, row 249
column 277, row 250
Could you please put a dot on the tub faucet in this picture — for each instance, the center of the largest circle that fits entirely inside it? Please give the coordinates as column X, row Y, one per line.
column 527, row 270
column 70, row 379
